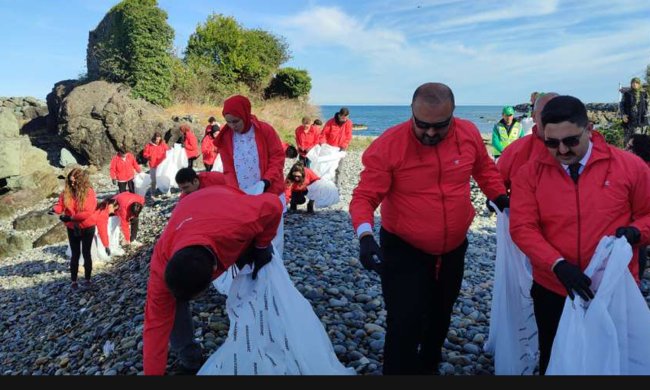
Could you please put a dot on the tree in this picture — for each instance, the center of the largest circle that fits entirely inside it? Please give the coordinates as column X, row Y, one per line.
column 290, row 83
column 238, row 55
column 133, row 45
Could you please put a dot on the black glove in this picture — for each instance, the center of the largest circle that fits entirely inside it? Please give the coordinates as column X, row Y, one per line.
column 489, row 206
column 51, row 212
column 65, row 218
column 573, row 279
column 632, row 234
column 108, row 251
column 267, row 184
column 261, row 257
column 368, row 248
column 502, row 201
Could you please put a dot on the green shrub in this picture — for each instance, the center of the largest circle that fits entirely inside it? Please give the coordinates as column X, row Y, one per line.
column 133, row 45
column 613, row 133
column 290, row 83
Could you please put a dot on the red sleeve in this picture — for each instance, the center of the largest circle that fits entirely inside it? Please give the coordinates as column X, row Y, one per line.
column 525, row 224
column 59, row 207
column 146, row 153
column 208, row 179
column 311, row 176
column 192, row 142
column 287, row 192
column 113, row 169
column 485, row 173
column 89, row 207
column 102, row 227
column 346, row 137
column 639, row 201
column 159, row 313
column 275, row 168
column 322, row 139
column 124, row 224
column 374, row 182
column 268, row 220
column 300, row 139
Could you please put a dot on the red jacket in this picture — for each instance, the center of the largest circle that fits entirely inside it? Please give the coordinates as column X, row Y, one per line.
column 123, row 169
column 125, row 200
column 208, row 150
column 552, row 217
column 336, row 135
column 305, row 140
column 310, row 177
column 517, row 154
column 191, row 144
column 208, row 179
column 269, row 148
column 424, row 191
column 227, row 231
column 84, row 217
column 155, row 153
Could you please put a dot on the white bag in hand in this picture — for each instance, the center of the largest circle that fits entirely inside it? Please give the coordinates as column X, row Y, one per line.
column 323, row 192
column 513, row 331
column 175, row 159
column 218, row 164
column 609, row 334
column 97, row 250
column 273, row 330
column 324, row 160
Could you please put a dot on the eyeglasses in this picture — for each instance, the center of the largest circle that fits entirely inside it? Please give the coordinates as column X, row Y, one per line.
column 569, row 142
column 437, row 125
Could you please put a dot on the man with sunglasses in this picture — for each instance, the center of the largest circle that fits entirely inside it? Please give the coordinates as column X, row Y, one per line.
column 565, row 201
column 419, row 171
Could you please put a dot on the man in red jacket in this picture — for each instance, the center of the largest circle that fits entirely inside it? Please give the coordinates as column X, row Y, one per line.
column 419, row 171
column 337, row 132
column 197, row 246
column 565, row 201
column 190, row 144
column 129, row 208
column 122, row 170
column 189, row 181
column 527, row 147
column 155, row 152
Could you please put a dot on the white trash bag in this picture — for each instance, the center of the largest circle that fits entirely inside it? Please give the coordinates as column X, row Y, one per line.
column 324, row 160
column 609, row 334
column 175, row 159
column 97, row 250
column 218, row 164
column 273, row 330
column 323, row 192
column 512, row 337
column 142, row 183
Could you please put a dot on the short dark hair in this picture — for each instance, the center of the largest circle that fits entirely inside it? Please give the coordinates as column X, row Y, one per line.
column 641, row 146
column 185, row 175
column 565, row 108
column 318, row 122
column 291, row 151
column 155, row 135
column 212, row 119
column 344, row 111
column 135, row 209
column 434, row 93
column 189, row 271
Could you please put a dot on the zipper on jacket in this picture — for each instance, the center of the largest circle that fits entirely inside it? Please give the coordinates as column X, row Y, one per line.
column 579, row 223
column 442, row 196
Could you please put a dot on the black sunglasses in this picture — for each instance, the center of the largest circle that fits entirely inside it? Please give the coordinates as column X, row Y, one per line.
column 569, row 142
column 426, row 125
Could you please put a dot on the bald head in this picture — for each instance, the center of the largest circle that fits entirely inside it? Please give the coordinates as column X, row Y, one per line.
column 540, row 103
column 433, row 94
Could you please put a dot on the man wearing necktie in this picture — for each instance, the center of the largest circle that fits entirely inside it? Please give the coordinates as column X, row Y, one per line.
column 564, row 201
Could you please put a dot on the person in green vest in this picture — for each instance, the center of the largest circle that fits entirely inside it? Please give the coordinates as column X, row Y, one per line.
column 506, row 131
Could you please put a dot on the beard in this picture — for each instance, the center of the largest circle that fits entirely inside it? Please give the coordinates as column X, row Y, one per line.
column 431, row 141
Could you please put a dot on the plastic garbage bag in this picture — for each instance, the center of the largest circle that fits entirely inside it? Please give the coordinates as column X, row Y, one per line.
column 607, row 335
column 142, row 183
column 323, row 192
column 324, row 160
column 218, row 164
column 175, row 159
column 512, row 337
column 97, row 250
column 273, row 330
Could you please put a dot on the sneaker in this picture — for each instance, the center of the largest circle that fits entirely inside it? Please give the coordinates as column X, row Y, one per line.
column 74, row 286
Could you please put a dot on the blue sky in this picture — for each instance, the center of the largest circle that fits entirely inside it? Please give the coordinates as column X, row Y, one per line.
column 374, row 51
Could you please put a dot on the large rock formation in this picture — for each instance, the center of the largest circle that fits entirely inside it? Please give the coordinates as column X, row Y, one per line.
column 26, row 174
column 97, row 117
column 55, row 99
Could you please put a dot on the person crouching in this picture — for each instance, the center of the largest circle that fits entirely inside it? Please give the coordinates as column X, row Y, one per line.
column 296, row 186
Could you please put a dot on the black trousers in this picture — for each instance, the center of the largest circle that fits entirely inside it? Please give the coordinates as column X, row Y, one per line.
column 643, row 260
column 190, row 162
column 80, row 242
column 548, row 308
column 122, row 186
column 208, row 167
column 419, row 290
column 135, row 223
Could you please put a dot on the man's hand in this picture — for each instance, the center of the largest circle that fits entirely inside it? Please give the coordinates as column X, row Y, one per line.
column 573, row 279
column 632, row 234
column 368, row 249
column 261, row 257
column 65, row 218
column 502, row 201
column 625, row 119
